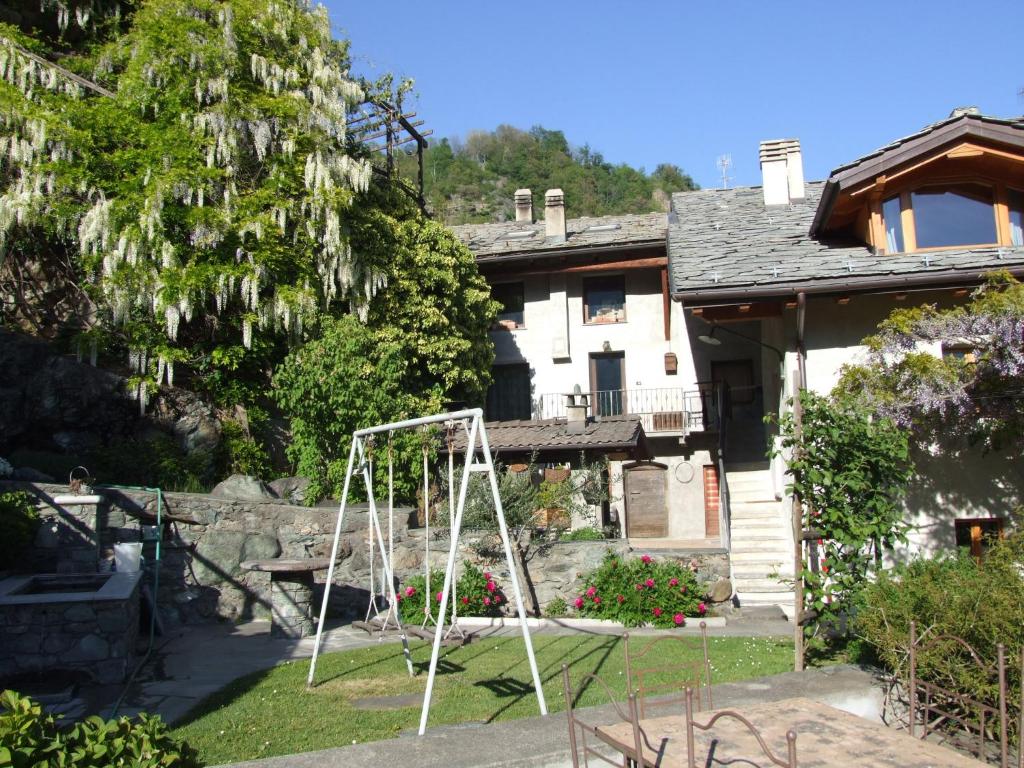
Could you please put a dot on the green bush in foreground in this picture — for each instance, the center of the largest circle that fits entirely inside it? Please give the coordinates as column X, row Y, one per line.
column 641, row 591
column 31, row 739
column 980, row 602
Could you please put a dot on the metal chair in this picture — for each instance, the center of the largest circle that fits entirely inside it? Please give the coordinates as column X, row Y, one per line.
column 957, row 717
column 582, row 751
column 691, row 750
column 657, row 678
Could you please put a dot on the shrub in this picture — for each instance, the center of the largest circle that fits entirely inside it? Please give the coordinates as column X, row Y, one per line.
column 583, row 534
column 983, row 603
column 477, row 591
column 641, row 591
column 556, row 609
column 30, row 738
column 20, row 520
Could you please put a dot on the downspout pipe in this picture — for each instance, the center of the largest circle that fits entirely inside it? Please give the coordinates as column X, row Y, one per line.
column 798, row 508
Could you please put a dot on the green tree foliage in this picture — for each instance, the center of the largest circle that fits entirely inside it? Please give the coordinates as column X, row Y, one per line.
column 473, row 181
column 850, row 472
column 20, row 521
column 424, row 342
column 976, row 393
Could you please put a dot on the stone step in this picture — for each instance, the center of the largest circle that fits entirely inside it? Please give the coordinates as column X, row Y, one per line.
column 751, row 556
column 763, row 584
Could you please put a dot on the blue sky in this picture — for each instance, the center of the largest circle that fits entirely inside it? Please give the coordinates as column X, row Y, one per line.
column 684, row 81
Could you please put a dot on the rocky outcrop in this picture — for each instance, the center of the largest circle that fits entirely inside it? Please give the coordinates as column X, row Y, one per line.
column 243, row 488
column 52, row 402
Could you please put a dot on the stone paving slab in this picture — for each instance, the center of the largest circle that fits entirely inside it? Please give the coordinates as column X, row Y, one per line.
column 543, row 742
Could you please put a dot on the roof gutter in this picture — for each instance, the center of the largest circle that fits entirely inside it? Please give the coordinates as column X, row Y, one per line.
column 944, row 279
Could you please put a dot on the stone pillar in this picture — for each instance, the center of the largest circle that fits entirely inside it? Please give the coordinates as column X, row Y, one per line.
column 291, row 604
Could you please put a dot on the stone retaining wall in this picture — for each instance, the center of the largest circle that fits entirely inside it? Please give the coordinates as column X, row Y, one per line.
column 207, row 538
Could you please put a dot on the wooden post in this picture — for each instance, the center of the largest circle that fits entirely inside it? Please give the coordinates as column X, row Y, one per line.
column 798, row 544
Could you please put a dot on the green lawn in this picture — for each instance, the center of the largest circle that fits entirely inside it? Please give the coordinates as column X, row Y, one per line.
column 271, row 712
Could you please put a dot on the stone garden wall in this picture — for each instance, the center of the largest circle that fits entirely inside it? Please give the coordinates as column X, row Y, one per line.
column 206, row 539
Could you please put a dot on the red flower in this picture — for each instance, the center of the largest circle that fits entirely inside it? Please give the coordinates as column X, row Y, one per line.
column 487, row 576
column 673, row 582
column 465, row 601
column 824, row 569
column 639, row 586
column 490, row 586
column 597, row 600
column 497, row 599
column 487, row 601
column 646, row 559
column 649, row 582
column 682, row 590
column 679, row 619
column 701, row 608
column 579, row 602
column 621, row 599
column 591, row 591
column 398, row 598
column 410, row 591
column 821, row 542
column 439, row 597
column 657, row 612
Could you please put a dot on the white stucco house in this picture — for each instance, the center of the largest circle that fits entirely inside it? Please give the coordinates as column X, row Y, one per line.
column 696, row 324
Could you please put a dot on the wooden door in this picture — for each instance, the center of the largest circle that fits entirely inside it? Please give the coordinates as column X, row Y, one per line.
column 646, row 508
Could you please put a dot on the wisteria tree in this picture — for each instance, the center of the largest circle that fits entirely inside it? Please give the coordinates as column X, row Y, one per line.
column 179, row 187
column 212, row 194
column 951, row 373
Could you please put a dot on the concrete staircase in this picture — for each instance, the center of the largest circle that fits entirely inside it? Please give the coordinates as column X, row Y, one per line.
column 762, row 539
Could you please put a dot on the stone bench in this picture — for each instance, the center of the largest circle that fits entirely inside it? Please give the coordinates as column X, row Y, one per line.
column 291, row 593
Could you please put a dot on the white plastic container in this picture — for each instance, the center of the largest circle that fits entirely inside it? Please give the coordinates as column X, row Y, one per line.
column 127, row 557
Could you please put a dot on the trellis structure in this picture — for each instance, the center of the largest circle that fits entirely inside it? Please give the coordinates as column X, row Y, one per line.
column 359, row 462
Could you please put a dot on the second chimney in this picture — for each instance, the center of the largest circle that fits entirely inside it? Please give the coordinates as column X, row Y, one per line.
column 524, row 205
column 782, row 171
column 554, row 215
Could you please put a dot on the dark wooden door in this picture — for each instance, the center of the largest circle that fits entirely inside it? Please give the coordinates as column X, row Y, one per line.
column 608, row 382
column 646, row 509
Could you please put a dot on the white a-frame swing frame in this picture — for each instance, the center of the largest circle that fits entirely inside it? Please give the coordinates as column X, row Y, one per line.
column 476, row 443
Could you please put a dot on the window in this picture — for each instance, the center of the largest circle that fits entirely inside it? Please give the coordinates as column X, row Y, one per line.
column 953, row 215
column 978, row 533
column 508, row 397
column 510, row 296
column 958, row 215
column 604, row 299
column 1016, row 205
column 963, row 352
column 893, row 225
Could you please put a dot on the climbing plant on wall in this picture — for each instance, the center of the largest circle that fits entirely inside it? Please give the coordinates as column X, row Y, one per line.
column 850, row 471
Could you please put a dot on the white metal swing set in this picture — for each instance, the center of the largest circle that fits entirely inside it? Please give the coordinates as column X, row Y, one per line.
column 360, row 460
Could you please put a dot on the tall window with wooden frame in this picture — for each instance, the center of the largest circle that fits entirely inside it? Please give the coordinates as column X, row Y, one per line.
column 604, row 299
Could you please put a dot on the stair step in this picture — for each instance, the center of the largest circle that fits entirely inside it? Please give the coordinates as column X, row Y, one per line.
column 752, row 556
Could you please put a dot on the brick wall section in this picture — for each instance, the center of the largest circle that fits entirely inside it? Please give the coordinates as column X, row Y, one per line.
column 712, row 500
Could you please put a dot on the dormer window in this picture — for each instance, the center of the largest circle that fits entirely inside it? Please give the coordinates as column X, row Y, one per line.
column 946, row 216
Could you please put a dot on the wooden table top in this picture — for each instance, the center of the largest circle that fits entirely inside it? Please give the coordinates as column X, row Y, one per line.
column 825, row 737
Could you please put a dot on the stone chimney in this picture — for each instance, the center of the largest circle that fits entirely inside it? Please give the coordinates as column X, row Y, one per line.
column 524, row 205
column 782, row 171
column 554, row 216
column 576, row 412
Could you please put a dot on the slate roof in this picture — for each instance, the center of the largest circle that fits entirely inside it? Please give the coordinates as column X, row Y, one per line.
column 612, row 433
column 725, row 241
column 492, row 240
column 966, row 118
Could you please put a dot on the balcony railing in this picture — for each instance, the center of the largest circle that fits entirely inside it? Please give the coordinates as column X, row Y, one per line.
column 660, row 410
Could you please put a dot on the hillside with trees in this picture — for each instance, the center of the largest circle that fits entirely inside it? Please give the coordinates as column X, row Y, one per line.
column 473, row 180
